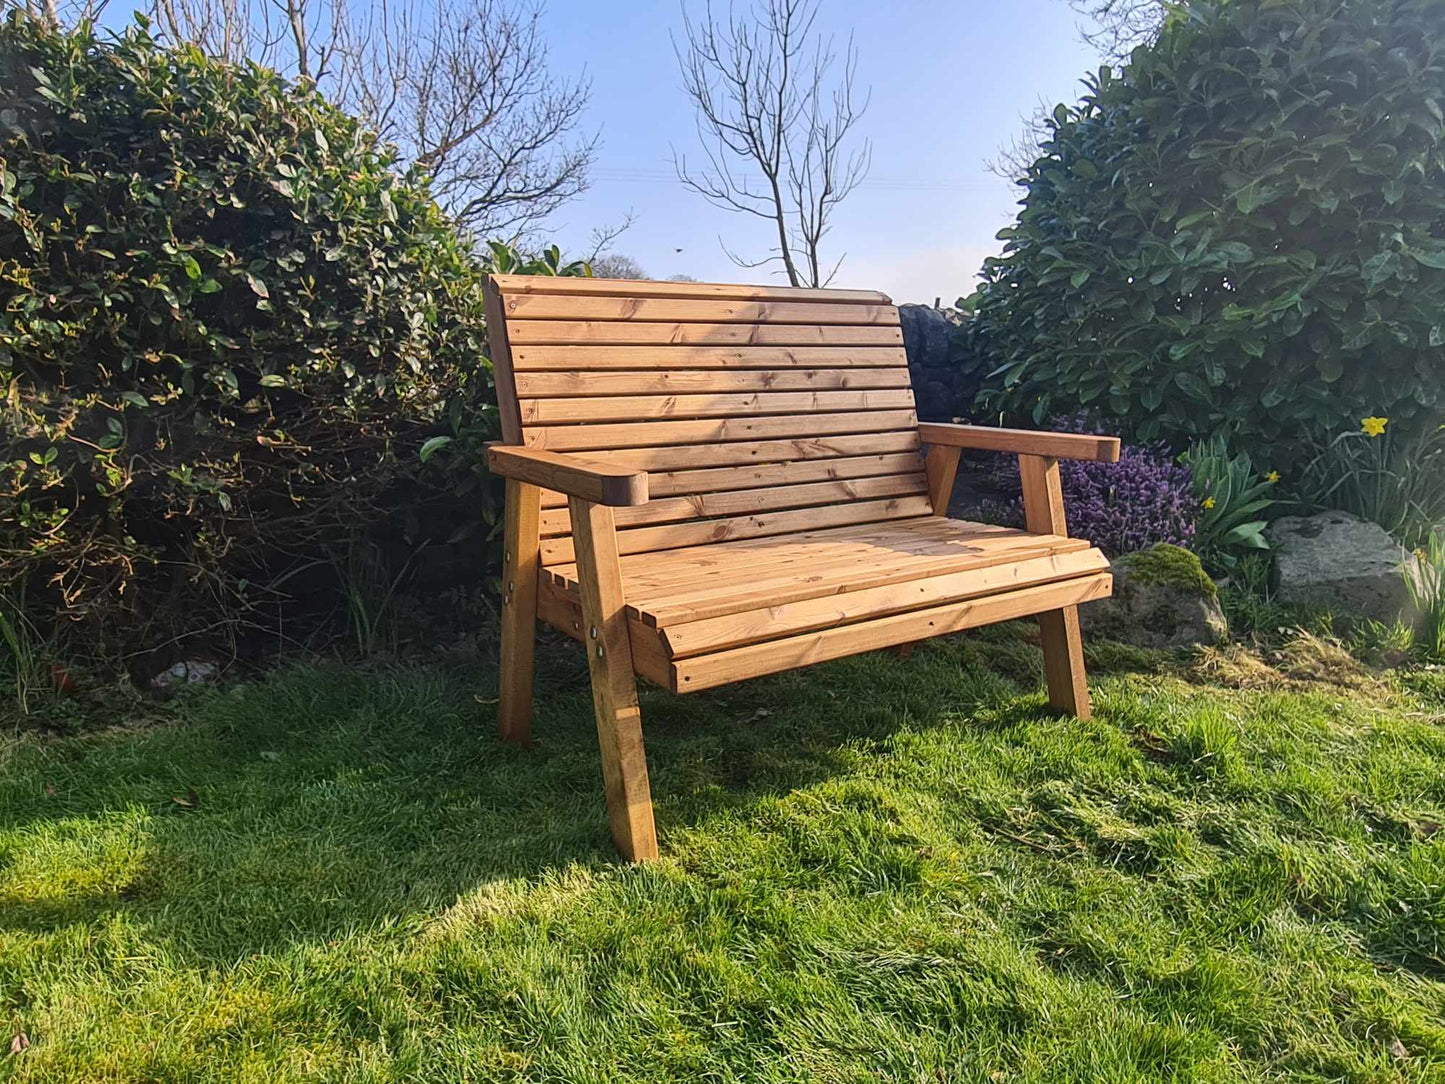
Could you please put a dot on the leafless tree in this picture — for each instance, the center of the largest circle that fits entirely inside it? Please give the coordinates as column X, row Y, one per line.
column 463, row 89
column 1115, row 28
column 57, row 13
column 1119, row 25
column 615, row 265
column 761, row 81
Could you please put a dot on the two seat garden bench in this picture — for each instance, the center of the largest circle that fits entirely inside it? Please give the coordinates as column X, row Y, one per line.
column 707, row 483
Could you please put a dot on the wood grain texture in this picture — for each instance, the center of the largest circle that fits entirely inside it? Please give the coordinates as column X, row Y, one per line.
column 773, row 452
column 1062, row 639
column 642, row 434
column 604, row 483
column 580, row 287
column 627, row 332
column 694, row 310
column 614, row 689
column 499, row 346
column 557, row 521
column 1022, row 441
column 580, row 382
column 942, row 470
column 662, row 484
column 520, row 567
column 678, row 586
column 671, row 358
column 704, row 531
column 563, row 612
column 624, row 408
column 772, row 622
column 774, row 656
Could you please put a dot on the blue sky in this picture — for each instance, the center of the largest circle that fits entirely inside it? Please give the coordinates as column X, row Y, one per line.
column 949, row 80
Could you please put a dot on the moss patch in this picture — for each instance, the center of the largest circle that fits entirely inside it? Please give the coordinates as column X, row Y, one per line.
column 1170, row 566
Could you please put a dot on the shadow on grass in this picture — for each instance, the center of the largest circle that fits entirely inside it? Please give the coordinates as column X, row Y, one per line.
column 316, row 803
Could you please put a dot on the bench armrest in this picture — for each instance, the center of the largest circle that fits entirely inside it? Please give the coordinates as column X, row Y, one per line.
column 574, row 475
column 1023, row 441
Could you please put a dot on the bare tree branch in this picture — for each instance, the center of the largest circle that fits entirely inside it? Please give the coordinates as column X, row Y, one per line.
column 462, row 89
column 1120, row 25
column 760, row 83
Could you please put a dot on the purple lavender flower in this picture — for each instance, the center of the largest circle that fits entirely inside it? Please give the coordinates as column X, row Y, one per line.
column 1146, row 497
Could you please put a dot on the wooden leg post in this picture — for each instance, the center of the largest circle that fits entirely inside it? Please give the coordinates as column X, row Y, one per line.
column 519, row 611
column 942, row 468
column 1059, row 629
column 614, row 688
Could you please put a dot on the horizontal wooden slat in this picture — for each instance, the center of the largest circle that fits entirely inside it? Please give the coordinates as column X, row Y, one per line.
column 670, row 358
column 687, row 310
column 648, row 539
column 1024, row 441
column 623, row 408
column 564, row 332
column 691, row 456
column 544, row 385
column 830, row 576
column 562, row 438
column 771, row 622
column 585, row 287
column 774, row 656
column 673, row 483
column 683, row 585
column 557, row 521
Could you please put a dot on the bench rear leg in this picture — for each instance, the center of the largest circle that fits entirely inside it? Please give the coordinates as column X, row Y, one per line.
column 519, row 611
column 1062, row 641
column 614, row 687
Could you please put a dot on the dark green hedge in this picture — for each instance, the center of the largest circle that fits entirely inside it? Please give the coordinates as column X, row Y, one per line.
column 229, row 325
column 1244, row 230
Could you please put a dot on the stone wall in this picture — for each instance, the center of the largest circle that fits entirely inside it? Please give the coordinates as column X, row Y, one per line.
column 938, row 380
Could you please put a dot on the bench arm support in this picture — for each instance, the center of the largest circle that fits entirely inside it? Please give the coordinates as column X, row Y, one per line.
column 986, row 438
column 574, row 475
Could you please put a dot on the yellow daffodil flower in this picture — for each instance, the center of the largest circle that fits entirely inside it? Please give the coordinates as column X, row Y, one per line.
column 1374, row 427
column 1272, row 477
column 1208, row 502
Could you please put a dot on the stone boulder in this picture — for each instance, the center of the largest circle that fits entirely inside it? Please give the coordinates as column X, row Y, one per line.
column 1344, row 564
column 927, row 335
column 1162, row 598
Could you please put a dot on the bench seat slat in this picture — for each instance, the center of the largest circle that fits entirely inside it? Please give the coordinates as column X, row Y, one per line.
column 774, row 656
column 704, row 582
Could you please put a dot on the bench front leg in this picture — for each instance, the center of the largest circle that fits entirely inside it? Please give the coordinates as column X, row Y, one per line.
column 520, row 567
column 614, row 687
column 1062, row 640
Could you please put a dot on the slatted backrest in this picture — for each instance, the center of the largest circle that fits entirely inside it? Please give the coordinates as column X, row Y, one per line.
column 756, row 410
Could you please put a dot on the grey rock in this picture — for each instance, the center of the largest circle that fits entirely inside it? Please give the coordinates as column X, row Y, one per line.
column 1344, row 564
column 190, row 672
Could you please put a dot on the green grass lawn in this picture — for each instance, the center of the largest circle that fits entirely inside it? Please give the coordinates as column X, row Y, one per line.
column 873, row 870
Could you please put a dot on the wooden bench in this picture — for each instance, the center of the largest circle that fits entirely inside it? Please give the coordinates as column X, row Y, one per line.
column 706, row 483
